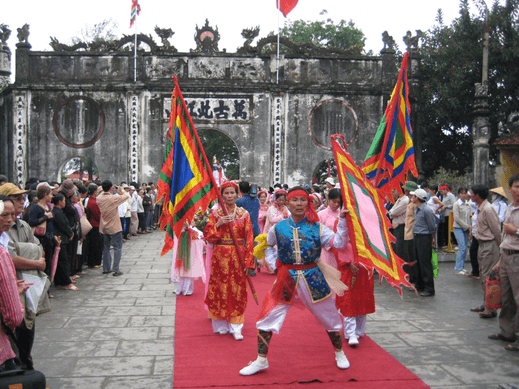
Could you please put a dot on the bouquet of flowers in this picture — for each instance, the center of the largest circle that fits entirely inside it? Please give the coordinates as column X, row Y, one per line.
column 200, row 220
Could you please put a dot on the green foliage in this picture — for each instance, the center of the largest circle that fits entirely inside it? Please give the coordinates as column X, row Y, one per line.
column 443, row 176
column 451, row 65
column 218, row 144
column 324, row 33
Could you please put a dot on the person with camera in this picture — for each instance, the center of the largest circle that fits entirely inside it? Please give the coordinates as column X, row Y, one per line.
column 110, row 225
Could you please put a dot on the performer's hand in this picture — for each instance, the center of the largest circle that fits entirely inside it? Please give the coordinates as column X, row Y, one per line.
column 343, row 213
column 247, row 271
column 354, row 268
column 496, row 267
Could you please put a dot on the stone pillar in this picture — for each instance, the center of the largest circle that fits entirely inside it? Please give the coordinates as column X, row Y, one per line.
column 5, row 65
column 133, row 136
column 481, row 135
column 23, row 50
column 20, row 139
column 278, row 176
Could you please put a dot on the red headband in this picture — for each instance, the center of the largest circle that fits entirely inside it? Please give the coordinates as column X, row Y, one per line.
column 311, row 215
column 444, row 187
column 261, row 192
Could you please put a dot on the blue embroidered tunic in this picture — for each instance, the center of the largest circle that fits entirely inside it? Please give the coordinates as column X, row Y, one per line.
column 300, row 244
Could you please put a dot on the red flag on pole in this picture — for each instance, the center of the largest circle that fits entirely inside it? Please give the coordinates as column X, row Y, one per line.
column 285, row 6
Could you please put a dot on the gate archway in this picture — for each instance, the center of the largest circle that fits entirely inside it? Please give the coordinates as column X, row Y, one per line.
column 220, row 145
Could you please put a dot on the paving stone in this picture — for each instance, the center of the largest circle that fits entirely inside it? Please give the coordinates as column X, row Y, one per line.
column 134, row 311
column 136, row 333
column 155, row 381
column 96, row 322
column 144, row 348
column 114, row 366
column 141, row 294
column 152, row 321
column 75, row 383
column 81, row 349
column 484, row 372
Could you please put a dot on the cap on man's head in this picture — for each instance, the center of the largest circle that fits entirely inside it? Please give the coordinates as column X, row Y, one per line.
column 420, row 193
column 126, row 186
column 132, row 187
column 411, row 186
column 330, row 181
column 11, row 189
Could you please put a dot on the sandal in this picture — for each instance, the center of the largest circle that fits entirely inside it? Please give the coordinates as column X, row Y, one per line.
column 500, row 337
column 481, row 308
column 487, row 315
column 70, row 287
column 513, row 347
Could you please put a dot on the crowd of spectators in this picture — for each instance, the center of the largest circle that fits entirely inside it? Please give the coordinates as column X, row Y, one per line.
column 72, row 225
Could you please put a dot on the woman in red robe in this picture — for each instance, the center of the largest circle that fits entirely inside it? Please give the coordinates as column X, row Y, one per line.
column 227, row 291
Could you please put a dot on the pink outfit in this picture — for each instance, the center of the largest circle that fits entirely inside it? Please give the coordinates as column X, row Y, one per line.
column 328, row 217
column 10, row 303
column 275, row 215
column 185, row 277
column 262, row 216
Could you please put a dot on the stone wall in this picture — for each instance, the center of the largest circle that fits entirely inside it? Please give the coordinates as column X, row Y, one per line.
column 84, row 103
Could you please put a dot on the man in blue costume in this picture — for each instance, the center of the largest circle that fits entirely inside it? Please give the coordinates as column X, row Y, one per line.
column 302, row 275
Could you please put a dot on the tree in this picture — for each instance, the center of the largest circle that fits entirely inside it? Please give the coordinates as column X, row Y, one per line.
column 102, row 31
column 451, row 66
column 220, row 145
column 325, row 33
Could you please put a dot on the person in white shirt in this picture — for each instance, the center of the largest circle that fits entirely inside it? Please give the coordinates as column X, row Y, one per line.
column 462, row 211
column 397, row 215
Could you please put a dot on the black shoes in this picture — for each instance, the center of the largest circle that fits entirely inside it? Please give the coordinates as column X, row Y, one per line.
column 427, row 294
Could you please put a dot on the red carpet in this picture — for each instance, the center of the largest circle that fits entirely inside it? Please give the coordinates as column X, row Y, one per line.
column 300, row 356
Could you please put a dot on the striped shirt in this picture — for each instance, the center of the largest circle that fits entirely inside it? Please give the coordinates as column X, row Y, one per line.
column 10, row 303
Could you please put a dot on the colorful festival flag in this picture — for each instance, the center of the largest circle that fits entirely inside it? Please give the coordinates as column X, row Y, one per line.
column 185, row 178
column 136, row 10
column 285, row 6
column 368, row 224
column 391, row 155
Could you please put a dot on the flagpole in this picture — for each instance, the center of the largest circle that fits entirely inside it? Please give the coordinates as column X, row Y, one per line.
column 135, row 54
column 277, row 55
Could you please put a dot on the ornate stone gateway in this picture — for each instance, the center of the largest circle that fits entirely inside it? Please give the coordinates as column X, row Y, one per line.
column 81, row 101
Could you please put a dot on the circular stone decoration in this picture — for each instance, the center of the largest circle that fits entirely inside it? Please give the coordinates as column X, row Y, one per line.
column 79, row 121
column 332, row 117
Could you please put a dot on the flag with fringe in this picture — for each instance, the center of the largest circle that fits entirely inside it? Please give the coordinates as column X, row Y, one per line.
column 368, row 224
column 185, row 178
column 391, row 155
column 136, row 10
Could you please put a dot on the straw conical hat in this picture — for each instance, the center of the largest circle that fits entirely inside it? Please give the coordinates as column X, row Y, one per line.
column 499, row 191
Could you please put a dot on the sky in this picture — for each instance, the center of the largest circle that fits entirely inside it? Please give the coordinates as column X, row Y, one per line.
column 64, row 19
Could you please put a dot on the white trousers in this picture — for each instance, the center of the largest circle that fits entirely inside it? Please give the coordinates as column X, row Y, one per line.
column 185, row 286
column 325, row 312
column 354, row 326
column 224, row 325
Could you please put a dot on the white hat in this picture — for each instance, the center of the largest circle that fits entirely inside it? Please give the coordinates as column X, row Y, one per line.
column 420, row 193
column 330, row 180
column 132, row 187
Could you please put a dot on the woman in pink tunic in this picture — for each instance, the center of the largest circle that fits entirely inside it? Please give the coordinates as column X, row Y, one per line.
column 264, row 207
column 277, row 211
column 328, row 217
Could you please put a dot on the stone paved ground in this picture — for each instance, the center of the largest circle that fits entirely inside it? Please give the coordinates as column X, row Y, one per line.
column 117, row 332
